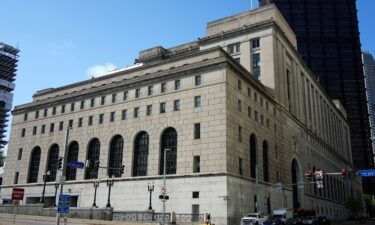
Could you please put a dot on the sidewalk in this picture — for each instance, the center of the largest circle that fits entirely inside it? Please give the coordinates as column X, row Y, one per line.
column 6, row 219
column 354, row 222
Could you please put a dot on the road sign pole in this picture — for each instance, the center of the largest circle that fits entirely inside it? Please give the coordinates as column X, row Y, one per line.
column 62, row 179
column 164, row 170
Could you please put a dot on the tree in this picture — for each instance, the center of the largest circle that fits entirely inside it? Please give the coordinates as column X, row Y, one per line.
column 2, row 158
column 370, row 205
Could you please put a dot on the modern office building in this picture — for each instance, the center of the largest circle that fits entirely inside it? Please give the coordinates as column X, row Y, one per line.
column 234, row 105
column 8, row 69
column 328, row 41
column 369, row 71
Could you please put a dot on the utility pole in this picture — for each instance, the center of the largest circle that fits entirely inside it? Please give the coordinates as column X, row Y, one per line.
column 257, row 186
column 62, row 178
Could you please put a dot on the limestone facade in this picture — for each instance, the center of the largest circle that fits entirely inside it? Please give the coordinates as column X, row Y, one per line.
column 283, row 108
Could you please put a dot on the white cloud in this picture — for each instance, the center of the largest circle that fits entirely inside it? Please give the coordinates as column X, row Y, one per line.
column 100, row 70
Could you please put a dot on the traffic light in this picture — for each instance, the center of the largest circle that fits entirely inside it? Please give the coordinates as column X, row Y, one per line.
column 122, row 168
column 309, row 174
column 59, row 163
column 344, row 173
column 96, row 164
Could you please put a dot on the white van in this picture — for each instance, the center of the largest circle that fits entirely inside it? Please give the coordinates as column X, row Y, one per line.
column 283, row 214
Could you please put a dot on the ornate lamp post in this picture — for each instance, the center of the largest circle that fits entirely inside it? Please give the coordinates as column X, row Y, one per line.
column 56, row 187
column 110, row 182
column 45, row 175
column 96, row 185
column 150, row 189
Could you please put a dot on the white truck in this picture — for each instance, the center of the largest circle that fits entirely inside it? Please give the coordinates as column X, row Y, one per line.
column 253, row 219
column 283, row 214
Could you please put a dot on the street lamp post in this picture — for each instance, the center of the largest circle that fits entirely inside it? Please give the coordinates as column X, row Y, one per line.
column 164, row 173
column 150, row 189
column 96, row 185
column 56, row 187
column 110, row 182
column 45, row 175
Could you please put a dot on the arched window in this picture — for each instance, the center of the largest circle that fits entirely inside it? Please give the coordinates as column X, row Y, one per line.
column 265, row 162
column 93, row 154
column 53, row 157
column 34, row 165
column 72, row 156
column 140, row 154
column 115, row 156
column 169, row 141
column 253, row 155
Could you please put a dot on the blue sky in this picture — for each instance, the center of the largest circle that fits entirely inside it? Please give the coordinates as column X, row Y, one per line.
column 60, row 41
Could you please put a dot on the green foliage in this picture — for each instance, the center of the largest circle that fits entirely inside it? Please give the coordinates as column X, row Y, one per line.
column 370, row 205
column 2, row 158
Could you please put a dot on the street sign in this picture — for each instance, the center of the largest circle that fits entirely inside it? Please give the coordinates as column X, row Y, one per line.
column 64, row 202
column 319, row 184
column 279, row 186
column 319, row 174
column 163, row 190
column 76, row 165
column 17, row 193
column 162, row 197
column 366, row 173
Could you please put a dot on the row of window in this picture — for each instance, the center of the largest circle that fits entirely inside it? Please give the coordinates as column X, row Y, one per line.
column 124, row 113
column 137, row 94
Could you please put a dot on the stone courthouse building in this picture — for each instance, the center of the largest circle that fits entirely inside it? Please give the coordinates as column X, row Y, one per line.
column 238, row 99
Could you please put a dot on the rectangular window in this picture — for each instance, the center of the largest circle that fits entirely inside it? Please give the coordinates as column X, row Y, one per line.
column 276, row 152
column 234, row 48
column 196, row 164
column 256, row 116
column 80, row 122
column 239, row 107
column 25, row 117
column 112, row 117
column 149, row 110
column 261, row 101
column 163, row 87
column 255, row 97
column 237, row 60
column 249, row 111
column 176, row 105
column 126, row 95
column 162, row 107
column 255, row 43
column 239, row 133
column 34, row 130
column 195, row 194
column 102, row 100
column 23, row 132
column 150, row 90
column 136, row 112
column 45, row 112
column 177, row 84
column 91, row 118
column 19, row 157
column 288, row 90
column 239, row 85
column 114, row 98
column 61, row 125
column 63, row 109
column 261, row 119
column 248, row 92
column 72, row 107
column 51, row 127
column 124, row 114
column 256, row 65
column 240, row 171
column 43, row 130
column 92, row 103
column 16, row 177
column 197, row 101
column 101, row 118
column 54, row 110
column 82, row 106
column 37, row 114
column 198, row 80
column 197, row 131
column 267, row 123
column 70, row 123
column 137, row 93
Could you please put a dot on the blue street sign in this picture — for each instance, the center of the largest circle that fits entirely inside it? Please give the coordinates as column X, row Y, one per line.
column 76, row 164
column 64, row 202
column 366, row 173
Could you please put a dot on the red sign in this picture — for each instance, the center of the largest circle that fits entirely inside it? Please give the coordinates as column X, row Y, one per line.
column 17, row 193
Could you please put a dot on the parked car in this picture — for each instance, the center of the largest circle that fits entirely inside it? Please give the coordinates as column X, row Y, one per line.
column 311, row 220
column 294, row 221
column 323, row 220
column 253, row 219
column 273, row 221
